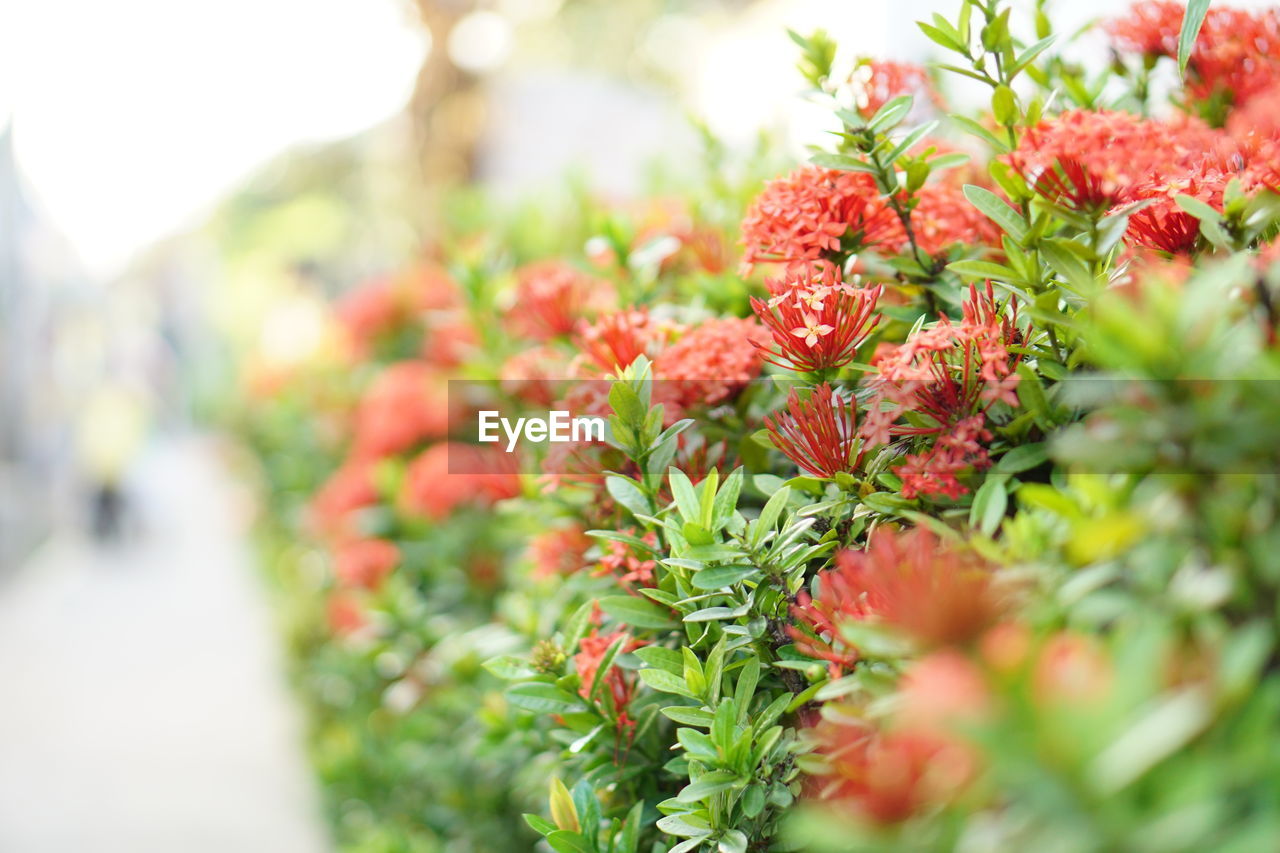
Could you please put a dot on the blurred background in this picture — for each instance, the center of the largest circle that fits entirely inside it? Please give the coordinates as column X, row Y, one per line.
column 183, row 186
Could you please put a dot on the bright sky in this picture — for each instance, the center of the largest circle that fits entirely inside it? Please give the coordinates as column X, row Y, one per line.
column 132, row 116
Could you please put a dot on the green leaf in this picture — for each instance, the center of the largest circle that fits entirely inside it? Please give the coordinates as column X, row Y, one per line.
column 708, row 784
column 718, row 577
column 603, row 667
column 665, row 682
column 637, row 612
column 1004, row 105
column 997, row 210
column 726, row 503
column 509, row 667
column 540, row 825
column 769, row 515
column 662, row 658
column 841, row 162
column 1029, row 55
column 626, row 403
column 1164, row 729
column 563, row 841
column 1192, row 20
column 576, row 627
column 1022, row 458
column 983, row 270
column 891, row 114
column 629, row 840
column 982, row 133
column 733, row 841
column 989, row 504
column 682, row 827
column 625, row 491
column 686, row 497
column 687, row 716
column 541, row 698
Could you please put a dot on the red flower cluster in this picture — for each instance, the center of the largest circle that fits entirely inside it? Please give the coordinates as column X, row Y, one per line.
column 876, row 82
column 1237, row 52
column 936, row 594
column 348, row 489
column 891, row 776
column 941, row 218
column 559, row 551
column 947, row 377
column 386, row 304
column 365, row 563
column 617, row 339
column 621, row 563
column 1163, row 224
column 621, row 687
column 817, row 432
column 407, row 404
column 551, row 297
column 1092, row 160
column 448, row 475
column 815, row 214
column 708, row 365
column 817, row 321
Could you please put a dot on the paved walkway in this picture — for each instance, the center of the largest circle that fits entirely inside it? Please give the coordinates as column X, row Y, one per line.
column 142, row 708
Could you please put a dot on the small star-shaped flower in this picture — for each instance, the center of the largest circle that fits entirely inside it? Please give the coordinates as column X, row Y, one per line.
column 811, row 331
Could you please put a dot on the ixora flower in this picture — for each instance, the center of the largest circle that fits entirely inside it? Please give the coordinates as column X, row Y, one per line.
column 815, row 214
column 817, row 431
column 551, row 297
column 709, row 365
column 620, row 686
column 943, row 380
column 449, row 475
column 1094, row 159
column 365, row 563
column 347, row 490
column 620, row 562
column 559, row 551
column 1163, row 224
column 938, row 595
column 876, row 82
column 816, row 321
column 1237, row 52
column 617, row 339
column 407, row 404
column 891, row 776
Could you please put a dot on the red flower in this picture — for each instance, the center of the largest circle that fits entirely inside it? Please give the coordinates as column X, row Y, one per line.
column 943, row 217
column 365, row 563
column 815, row 214
column 551, row 297
column 1237, row 52
column 819, row 432
column 615, row 340
column 889, row 777
column 346, row 614
column 945, row 378
column 449, row 341
column 559, row 551
column 1092, row 159
column 876, row 82
column 348, row 489
column 938, row 595
column 708, row 365
column 620, row 686
column 620, row 562
column 449, row 475
column 1165, row 226
column 817, row 322
column 407, row 404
